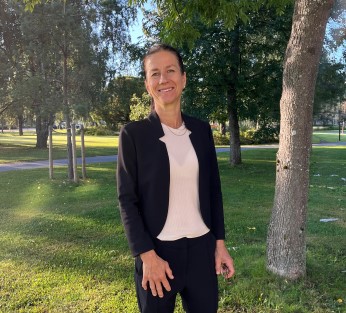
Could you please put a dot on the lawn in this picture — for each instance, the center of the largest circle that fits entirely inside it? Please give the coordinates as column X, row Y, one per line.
column 22, row 148
column 62, row 246
column 320, row 136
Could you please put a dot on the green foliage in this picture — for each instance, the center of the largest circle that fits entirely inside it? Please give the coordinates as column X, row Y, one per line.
column 262, row 135
column 335, row 33
column 221, row 139
column 59, row 56
column 115, row 107
column 140, row 107
column 98, row 131
column 30, row 4
column 181, row 15
column 330, row 85
column 211, row 65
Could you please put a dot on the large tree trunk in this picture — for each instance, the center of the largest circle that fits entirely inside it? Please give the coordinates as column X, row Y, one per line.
column 232, row 105
column 286, row 255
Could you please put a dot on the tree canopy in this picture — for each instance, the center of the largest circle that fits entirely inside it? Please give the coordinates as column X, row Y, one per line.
column 114, row 107
column 59, row 56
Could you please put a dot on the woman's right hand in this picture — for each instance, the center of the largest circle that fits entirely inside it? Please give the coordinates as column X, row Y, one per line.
column 155, row 272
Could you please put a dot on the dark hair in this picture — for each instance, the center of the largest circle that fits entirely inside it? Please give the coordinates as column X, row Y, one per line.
column 164, row 47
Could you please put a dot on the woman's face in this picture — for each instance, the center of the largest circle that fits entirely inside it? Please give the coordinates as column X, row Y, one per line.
column 163, row 78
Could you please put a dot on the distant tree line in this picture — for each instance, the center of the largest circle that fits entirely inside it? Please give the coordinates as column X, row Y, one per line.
column 59, row 59
column 65, row 61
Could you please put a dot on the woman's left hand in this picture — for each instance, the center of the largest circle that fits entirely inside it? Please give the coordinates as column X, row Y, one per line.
column 223, row 261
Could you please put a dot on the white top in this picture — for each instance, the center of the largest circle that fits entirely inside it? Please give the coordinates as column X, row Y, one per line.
column 184, row 218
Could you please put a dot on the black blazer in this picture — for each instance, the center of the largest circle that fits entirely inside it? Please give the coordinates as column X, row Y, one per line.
column 143, row 180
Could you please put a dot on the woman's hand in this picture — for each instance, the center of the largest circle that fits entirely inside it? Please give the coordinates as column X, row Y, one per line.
column 223, row 261
column 155, row 271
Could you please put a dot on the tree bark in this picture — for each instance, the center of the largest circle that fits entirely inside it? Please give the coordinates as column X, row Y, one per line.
column 235, row 153
column 232, row 106
column 64, row 50
column 20, row 124
column 41, row 133
column 68, row 121
column 286, row 247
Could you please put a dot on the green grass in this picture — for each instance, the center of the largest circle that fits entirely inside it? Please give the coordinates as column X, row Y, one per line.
column 323, row 136
column 248, row 201
column 22, row 148
column 63, row 249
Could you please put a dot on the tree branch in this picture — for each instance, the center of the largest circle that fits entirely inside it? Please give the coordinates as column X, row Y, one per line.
column 4, row 108
column 176, row 7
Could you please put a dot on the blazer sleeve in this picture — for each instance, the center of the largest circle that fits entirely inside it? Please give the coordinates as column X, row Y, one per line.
column 127, row 185
column 217, row 222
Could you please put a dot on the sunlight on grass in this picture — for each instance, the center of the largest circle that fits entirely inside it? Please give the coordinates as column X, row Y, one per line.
column 22, row 148
column 63, row 248
column 327, row 136
column 59, row 140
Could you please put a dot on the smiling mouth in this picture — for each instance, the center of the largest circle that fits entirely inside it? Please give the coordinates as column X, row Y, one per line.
column 166, row 89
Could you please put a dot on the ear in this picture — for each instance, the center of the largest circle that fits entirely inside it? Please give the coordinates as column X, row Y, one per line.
column 147, row 87
column 184, row 79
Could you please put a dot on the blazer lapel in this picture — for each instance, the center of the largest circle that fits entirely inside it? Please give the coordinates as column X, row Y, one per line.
column 156, row 124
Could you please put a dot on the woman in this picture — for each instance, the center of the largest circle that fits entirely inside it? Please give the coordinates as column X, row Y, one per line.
column 170, row 197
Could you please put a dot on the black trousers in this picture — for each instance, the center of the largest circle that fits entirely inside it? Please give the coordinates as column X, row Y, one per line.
column 193, row 265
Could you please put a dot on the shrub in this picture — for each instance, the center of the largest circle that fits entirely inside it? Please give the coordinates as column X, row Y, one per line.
column 265, row 134
column 246, row 137
column 220, row 139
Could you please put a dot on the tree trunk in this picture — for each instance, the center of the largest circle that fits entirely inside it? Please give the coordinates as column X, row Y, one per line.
column 41, row 134
column 69, row 147
column 235, row 153
column 286, row 247
column 67, row 117
column 20, row 124
column 232, row 106
column 64, row 51
column 223, row 128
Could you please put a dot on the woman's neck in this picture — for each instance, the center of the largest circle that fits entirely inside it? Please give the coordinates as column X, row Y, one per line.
column 171, row 118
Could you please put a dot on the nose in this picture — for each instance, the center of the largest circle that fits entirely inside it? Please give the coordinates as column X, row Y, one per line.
column 163, row 78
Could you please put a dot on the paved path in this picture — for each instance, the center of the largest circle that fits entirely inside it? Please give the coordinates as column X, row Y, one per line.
column 112, row 158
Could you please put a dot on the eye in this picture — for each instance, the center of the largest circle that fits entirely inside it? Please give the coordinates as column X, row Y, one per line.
column 171, row 71
column 154, row 74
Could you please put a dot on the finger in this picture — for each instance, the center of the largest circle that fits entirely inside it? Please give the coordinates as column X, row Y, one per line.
column 153, row 288
column 231, row 272
column 166, row 285
column 218, row 267
column 145, row 283
column 169, row 272
column 159, row 290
